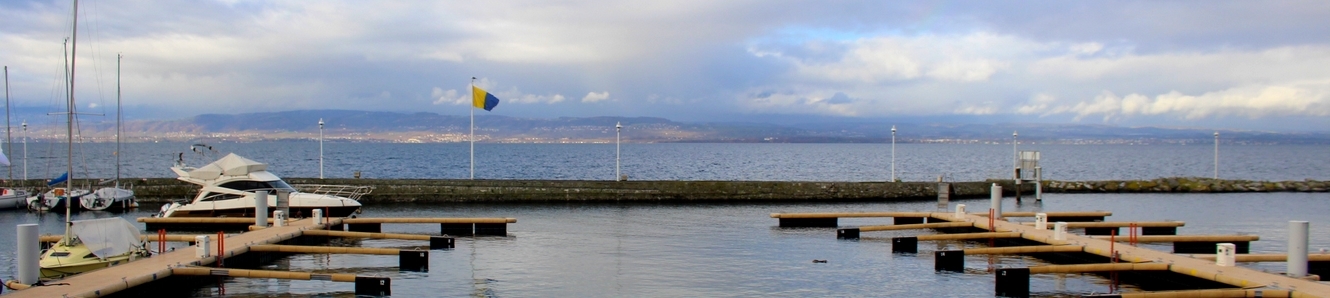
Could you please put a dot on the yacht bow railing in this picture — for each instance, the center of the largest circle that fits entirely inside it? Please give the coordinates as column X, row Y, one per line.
column 347, row 191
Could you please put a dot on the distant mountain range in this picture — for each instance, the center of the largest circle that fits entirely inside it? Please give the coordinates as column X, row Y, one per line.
column 368, row 126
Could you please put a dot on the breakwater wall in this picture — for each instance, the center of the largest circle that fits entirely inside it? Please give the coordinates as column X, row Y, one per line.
column 158, row 190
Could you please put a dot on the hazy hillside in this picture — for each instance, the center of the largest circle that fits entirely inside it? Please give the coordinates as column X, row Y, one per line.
column 367, row 126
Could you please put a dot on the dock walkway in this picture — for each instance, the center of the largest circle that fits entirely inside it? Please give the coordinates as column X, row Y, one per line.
column 106, row 281
column 1240, row 277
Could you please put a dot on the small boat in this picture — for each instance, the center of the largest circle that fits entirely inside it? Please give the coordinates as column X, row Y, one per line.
column 54, row 199
column 13, row 198
column 229, row 184
column 90, row 245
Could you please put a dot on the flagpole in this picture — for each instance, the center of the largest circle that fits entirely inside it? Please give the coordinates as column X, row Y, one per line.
column 472, row 128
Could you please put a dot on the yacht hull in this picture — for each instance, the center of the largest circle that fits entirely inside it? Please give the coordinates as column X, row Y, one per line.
column 296, row 212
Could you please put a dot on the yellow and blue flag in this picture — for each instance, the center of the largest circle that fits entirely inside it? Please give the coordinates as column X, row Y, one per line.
column 482, row 99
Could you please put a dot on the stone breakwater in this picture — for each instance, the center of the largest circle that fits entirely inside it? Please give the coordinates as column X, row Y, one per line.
column 1185, row 185
column 160, row 190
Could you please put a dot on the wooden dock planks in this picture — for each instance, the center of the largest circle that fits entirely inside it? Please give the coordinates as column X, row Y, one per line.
column 110, row 280
column 1236, row 276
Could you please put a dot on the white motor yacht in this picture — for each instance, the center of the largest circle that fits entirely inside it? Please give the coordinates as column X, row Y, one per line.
column 229, row 184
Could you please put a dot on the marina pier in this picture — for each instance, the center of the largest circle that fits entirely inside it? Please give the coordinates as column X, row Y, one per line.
column 1005, row 237
column 195, row 259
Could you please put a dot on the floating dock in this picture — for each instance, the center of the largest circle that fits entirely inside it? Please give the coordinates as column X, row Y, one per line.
column 1015, row 281
column 187, row 262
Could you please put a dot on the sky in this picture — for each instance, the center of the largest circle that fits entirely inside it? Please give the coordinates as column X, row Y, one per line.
column 1257, row 65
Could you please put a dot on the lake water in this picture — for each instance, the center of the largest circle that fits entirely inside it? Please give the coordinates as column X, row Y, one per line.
column 767, row 162
column 728, row 250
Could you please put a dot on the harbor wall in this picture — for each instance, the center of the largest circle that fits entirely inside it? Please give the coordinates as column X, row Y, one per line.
column 159, row 190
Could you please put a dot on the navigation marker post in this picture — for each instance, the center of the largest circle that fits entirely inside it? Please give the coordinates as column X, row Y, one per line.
column 893, row 153
column 617, row 127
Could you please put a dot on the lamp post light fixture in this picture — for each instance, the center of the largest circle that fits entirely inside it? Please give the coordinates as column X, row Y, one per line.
column 893, row 153
column 617, row 127
column 320, row 148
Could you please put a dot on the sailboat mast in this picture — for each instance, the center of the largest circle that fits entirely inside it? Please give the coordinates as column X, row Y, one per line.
column 69, row 117
column 118, row 119
column 8, row 141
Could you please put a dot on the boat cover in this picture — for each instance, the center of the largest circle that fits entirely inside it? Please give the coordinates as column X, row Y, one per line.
column 230, row 165
column 107, row 237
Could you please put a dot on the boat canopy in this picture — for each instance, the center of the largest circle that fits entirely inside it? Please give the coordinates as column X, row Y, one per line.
column 107, row 237
column 230, row 165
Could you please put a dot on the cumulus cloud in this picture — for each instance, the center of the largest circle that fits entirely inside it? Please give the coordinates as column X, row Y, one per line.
column 595, row 97
column 1306, row 98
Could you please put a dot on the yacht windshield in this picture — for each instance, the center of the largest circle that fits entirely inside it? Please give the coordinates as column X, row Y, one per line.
column 250, row 186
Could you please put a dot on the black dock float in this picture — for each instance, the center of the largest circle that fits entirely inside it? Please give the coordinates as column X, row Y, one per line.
column 909, row 245
column 413, row 260
column 1241, row 247
column 809, row 222
column 492, row 229
column 1159, row 231
column 456, row 229
column 439, row 242
column 374, row 286
column 365, row 227
column 1012, row 282
column 1052, row 219
column 949, row 260
column 852, row 233
column 907, row 220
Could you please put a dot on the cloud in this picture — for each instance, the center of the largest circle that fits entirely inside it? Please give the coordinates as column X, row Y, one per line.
column 1157, row 62
column 449, row 97
column 1305, row 98
column 595, row 97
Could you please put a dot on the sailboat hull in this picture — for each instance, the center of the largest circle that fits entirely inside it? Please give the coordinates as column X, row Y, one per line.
column 62, row 260
column 109, row 199
column 13, row 199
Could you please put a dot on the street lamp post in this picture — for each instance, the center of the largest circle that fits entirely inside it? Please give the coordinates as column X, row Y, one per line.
column 320, row 148
column 893, row 153
column 1216, row 154
column 617, row 127
column 25, row 150
column 1016, row 156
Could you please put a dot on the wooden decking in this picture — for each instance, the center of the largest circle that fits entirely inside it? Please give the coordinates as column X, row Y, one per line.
column 110, row 280
column 1240, row 277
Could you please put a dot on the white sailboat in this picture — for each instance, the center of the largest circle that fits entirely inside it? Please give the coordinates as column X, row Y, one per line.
column 112, row 198
column 10, row 198
column 89, row 244
column 55, row 198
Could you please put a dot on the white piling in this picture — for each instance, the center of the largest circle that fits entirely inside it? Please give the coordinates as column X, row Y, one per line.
column 995, row 201
column 1297, row 248
column 202, row 248
column 318, row 215
column 1060, row 230
column 29, row 253
column 278, row 218
column 1224, row 254
column 1038, row 184
column 1041, row 221
column 261, row 208
column 283, row 201
column 960, row 211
